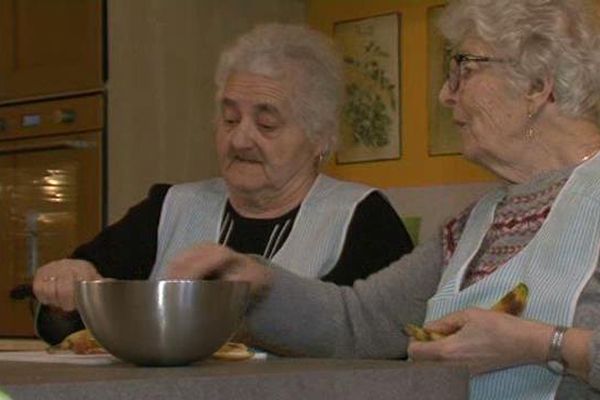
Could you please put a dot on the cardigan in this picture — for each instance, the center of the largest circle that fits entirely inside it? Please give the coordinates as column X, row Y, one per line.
column 366, row 320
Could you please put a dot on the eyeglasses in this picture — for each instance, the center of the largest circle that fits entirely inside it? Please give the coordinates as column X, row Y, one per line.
column 454, row 70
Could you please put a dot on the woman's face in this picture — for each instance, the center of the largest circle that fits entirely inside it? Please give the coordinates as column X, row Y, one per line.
column 262, row 149
column 490, row 112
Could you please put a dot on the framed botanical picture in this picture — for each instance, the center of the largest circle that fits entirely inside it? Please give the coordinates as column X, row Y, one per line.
column 371, row 118
column 444, row 139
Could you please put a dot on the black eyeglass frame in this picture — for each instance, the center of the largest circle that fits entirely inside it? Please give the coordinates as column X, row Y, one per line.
column 453, row 79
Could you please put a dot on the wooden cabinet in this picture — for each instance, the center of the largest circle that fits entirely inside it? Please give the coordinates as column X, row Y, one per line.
column 51, row 161
column 50, row 47
column 50, row 192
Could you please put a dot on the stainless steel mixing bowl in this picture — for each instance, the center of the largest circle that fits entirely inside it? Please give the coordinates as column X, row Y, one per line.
column 162, row 323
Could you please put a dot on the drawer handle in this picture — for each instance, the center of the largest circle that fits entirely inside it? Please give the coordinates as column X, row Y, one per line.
column 64, row 145
column 3, row 125
column 31, row 120
column 32, row 238
column 65, row 116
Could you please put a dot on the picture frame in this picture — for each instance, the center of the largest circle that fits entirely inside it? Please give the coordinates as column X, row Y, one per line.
column 370, row 126
column 444, row 138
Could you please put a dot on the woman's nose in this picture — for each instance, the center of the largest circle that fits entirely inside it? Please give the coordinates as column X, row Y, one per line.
column 446, row 97
column 241, row 135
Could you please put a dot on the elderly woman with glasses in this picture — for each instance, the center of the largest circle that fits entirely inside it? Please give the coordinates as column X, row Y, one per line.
column 524, row 88
column 279, row 88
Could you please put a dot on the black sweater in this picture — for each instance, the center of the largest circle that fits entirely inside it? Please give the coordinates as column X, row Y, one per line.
column 127, row 249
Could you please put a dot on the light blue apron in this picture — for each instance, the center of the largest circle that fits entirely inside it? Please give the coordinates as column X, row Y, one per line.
column 192, row 212
column 556, row 265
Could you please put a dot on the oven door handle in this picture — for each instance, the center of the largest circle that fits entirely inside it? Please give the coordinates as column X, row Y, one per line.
column 63, row 145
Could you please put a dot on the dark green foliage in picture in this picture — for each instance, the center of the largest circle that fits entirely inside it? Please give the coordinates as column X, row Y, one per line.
column 366, row 114
column 365, row 110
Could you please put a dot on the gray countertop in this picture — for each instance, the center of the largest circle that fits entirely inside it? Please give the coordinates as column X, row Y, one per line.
column 283, row 378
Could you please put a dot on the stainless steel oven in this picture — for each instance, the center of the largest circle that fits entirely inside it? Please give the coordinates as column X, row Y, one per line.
column 51, row 193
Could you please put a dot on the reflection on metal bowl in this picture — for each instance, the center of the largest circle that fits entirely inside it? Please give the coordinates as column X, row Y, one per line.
column 162, row 323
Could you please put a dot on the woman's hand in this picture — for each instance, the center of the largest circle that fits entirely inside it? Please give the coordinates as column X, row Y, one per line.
column 54, row 283
column 485, row 341
column 213, row 261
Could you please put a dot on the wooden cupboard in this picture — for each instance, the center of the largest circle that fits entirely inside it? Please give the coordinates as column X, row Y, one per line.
column 51, row 140
column 50, row 48
column 50, row 193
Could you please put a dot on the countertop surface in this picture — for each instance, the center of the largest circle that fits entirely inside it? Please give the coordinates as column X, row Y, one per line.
column 18, row 344
column 279, row 378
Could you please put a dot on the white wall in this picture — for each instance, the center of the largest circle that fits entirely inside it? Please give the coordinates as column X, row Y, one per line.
column 162, row 55
column 435, row 204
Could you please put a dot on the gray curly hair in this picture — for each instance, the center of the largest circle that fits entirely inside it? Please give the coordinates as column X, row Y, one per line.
column 309, row 58
column 556, row 38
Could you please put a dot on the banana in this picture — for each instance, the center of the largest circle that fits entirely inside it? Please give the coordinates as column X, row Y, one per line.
column 513, row 303
column 422, row 334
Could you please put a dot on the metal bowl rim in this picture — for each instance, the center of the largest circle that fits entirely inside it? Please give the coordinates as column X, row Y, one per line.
column 148, row 282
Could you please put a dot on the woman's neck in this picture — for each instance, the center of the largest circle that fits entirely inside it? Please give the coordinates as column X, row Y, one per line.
column 558, row 143
column 271, row 203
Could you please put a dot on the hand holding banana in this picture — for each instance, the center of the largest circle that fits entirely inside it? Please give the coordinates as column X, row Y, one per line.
column 512, row 303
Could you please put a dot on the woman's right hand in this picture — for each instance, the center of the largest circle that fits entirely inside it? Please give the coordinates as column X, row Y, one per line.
column 54, row 283
column 485, row 340
column 214, row 261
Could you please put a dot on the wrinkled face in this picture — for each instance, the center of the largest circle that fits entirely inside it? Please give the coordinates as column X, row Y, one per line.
column 261, row 147
column 490, row 112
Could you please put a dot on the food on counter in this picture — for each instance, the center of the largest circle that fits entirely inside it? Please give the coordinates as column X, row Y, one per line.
column 233, row 351
column 80, row 342
column 513, row 303
column 83, row 342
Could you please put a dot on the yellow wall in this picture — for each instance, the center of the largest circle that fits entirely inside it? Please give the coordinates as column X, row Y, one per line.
column 416, row 167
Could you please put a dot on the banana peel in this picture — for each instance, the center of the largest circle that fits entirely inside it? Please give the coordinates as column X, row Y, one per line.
column 422, row 334
column 513, row 303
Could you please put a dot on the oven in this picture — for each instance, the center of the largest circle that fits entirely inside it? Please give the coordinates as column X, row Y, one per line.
column 51, row 192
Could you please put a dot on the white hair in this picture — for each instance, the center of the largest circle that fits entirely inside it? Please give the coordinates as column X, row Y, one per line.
column 284, row 51
column 556, row 38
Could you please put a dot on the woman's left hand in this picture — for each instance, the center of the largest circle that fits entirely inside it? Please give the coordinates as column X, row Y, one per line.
column 485, row 341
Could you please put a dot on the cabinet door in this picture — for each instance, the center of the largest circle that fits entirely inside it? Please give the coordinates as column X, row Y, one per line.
column 50, row 202
column 49, row 47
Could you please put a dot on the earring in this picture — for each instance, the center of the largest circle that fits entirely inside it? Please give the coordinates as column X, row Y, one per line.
column 323, row 155
column 530, row 132
column 321, row 158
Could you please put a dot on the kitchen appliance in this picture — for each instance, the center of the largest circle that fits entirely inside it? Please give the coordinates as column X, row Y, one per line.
column 51, row 192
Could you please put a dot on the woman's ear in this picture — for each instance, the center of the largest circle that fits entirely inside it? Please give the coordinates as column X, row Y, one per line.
column 540, row 92
column 322, row 149
column 325, row 150
column 322, row 145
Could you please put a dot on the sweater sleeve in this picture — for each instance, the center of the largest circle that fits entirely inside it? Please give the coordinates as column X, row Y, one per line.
column 376, row 237
column 127, row 248
column 587, row 316
column 308, row 317
column 594, row 360
column 123, row 250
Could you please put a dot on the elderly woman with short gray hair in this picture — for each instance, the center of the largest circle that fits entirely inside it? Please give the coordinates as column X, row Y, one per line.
column 524, row 89
column 279, row 89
